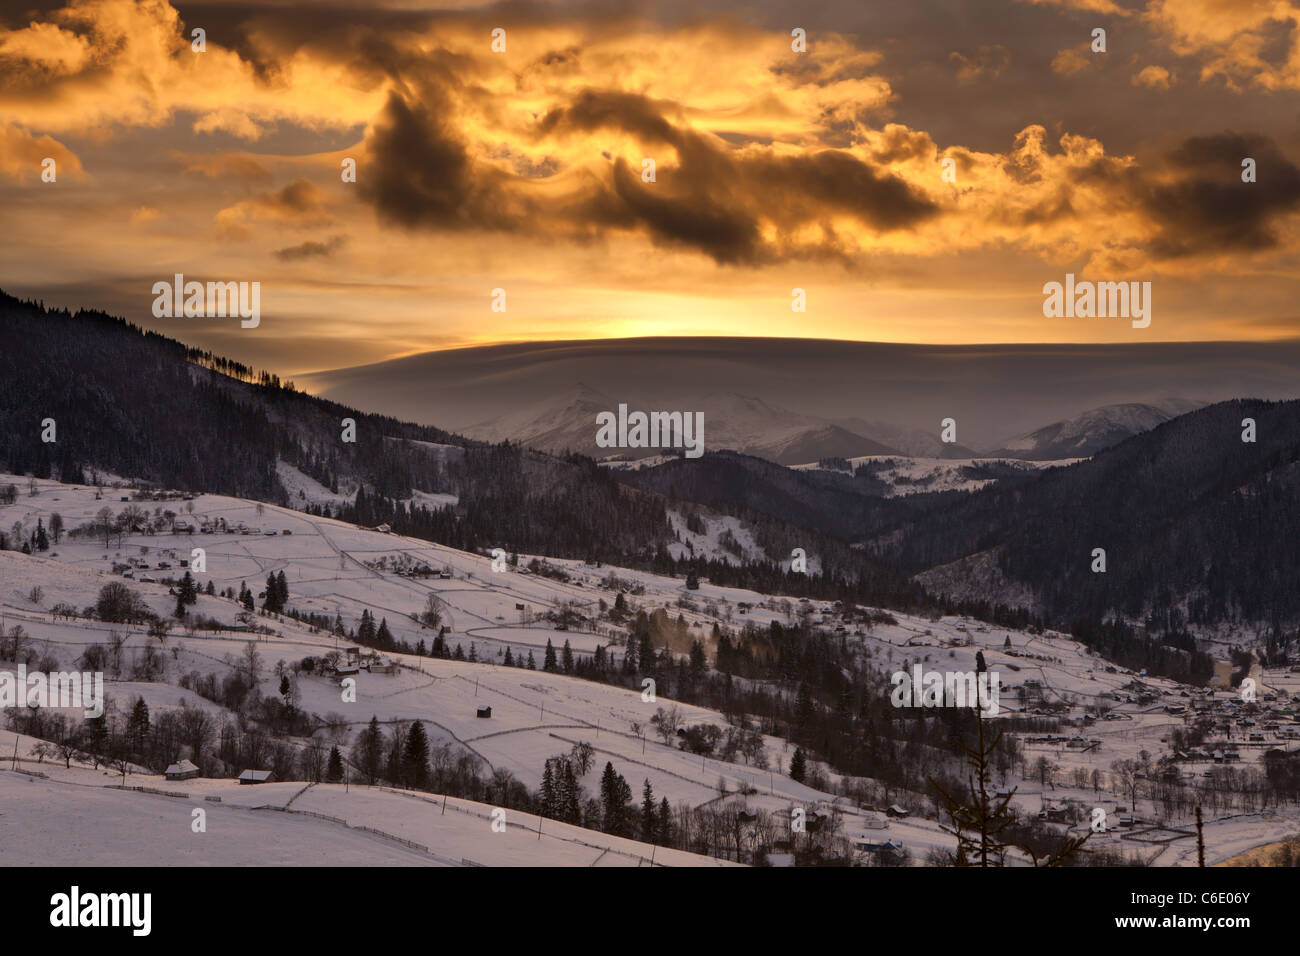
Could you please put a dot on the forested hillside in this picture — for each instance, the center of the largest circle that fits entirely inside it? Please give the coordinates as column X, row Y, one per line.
column 143, row 406
column 1198, row 526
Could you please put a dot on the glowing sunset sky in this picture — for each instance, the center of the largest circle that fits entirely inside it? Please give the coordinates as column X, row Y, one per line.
column 776, row 169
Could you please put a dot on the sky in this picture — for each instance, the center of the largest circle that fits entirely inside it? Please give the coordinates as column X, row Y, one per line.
column 523, row 169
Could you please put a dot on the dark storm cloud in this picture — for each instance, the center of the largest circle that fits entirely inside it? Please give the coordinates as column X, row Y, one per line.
column 422, row 175
column 1207, row 207
column 714, row 200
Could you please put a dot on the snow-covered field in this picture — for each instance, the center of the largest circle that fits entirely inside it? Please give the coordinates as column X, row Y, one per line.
column 910, row 476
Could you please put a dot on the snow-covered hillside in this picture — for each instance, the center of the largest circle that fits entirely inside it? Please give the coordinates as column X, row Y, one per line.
column 1093, row 430
column 339, row 571
column 909, row 476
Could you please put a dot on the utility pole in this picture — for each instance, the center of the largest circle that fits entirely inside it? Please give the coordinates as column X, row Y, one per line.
column 1200, row 839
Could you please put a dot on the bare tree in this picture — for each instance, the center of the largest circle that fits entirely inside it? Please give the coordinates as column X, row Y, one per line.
column 582, row 754
column 433, row 611
column 666, row 723
column 1127, row 775
column 104, row 523
column 252, row 663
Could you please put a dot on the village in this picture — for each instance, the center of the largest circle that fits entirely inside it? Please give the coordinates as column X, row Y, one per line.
column 1093, row 738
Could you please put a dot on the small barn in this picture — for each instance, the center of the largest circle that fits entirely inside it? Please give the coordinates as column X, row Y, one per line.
column 877, row 846
column 897, row 812
column 1054, row 814
column 255, row 777
column 485, row 712
column 184, row 770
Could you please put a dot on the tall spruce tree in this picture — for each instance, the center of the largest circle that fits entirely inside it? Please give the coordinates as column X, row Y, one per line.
column 798, row 765
column 334, row 768
column 647, row 813
column 415, row 758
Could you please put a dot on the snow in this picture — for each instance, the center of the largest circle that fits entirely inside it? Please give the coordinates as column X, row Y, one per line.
column 907, row 476
column 331, row 569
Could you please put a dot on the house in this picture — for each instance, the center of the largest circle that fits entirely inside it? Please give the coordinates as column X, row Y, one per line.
column 877, row 846
column 1054, row 814
column 895, row 811
column 181, row 771
column 484, row 712
column 256, row 776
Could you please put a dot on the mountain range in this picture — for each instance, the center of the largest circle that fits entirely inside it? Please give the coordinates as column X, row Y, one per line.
column 795, row 401
column 1195, row 520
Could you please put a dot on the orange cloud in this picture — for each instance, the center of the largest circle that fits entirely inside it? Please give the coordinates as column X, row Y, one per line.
column 21, row 155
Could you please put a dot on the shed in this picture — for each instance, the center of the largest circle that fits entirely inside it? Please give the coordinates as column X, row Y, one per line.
column 184, row 770
column 256, row 776
column 875, row 846
column 894, row 810
column 485, row 712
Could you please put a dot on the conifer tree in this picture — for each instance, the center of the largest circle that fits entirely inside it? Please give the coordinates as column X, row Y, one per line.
column 572, row 795
column 415, row 758
column 979, row 821
column 647, row 813
column 798, row 765
column 548, row 790
column 368, row 752
column 664, row 825
column 334, row 769
column 614, row 797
